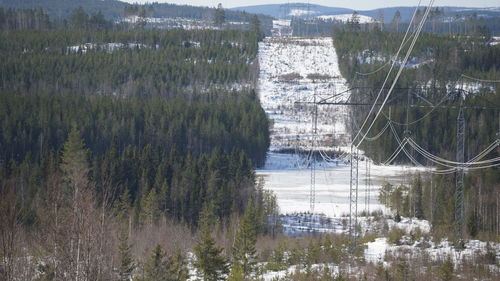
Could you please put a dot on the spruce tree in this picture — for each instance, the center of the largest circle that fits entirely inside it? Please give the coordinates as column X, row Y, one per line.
column 210, row 261
column 126, row 262
column 75, row 166
column 156, row 268
column 244, row 253
column 178, row 268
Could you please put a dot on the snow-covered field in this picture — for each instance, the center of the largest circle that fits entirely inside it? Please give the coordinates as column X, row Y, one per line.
column 108, row 47
column 290, row 179
column 295, row 70
column 347, row 17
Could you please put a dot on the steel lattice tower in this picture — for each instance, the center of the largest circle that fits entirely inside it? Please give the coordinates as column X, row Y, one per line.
column 459, row 192
column 353, row 195
column 312, row 192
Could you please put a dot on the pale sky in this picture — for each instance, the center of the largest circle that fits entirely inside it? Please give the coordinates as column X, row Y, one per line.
column 353, row 4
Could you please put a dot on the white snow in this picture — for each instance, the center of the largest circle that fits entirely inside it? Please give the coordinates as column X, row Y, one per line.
column 280, row 23
column 282, row 274
column 108, row 47
column 346, row 17
column 377, row 250
column 299, row 12
column 294, row 70
column 286, row 66
column 292, row 185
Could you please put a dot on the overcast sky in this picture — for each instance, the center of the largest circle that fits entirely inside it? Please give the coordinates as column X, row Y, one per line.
column 353, row 4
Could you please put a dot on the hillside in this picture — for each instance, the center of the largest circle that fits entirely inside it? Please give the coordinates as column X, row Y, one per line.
column 113, row 9
column 283, row 11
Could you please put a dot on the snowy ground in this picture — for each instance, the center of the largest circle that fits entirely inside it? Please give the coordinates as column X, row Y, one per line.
column 290, row 179
column 346, row 18
column 296, row 70
column 377, row 250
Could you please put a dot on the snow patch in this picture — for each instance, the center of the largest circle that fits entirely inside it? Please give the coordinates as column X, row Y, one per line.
column 346, row 18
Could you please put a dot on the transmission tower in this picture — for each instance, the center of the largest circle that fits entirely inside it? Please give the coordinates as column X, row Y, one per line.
column 312, row 192
column 367, row 182
column 459, row 192
column 353, row 195
column 288, row 8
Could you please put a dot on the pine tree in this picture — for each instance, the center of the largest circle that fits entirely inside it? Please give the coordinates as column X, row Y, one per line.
column 209, row 259
column 220, row 15
column 150, row 210
column 236, row 273
column 244, row 253
column 157, row 266
column 126, row 262
column 418, row 193
column 178, row 268
column 75, row 166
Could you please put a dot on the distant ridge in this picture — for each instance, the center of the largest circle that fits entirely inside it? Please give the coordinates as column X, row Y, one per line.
column 279, row 11
column 114, row 9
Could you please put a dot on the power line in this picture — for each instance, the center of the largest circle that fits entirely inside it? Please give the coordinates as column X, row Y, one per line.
column 390, row 70
column 385, row 64
column 399, row 72
column 480, row 80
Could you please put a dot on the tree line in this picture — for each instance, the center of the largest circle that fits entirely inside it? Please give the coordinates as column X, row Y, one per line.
column 120, row 150
column 437, row 63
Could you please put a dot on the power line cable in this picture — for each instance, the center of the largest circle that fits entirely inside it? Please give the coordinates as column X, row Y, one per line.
column 421, row 24
column 480, row 80
column 390, row 71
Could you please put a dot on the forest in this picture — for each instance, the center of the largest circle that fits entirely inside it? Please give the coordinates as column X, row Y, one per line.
column 436, row 76
column 120, row 144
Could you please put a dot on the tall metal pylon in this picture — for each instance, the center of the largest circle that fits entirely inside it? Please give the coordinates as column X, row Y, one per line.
column 459, row 191
column 312, row 192
column 367, row 182
column 353, row 195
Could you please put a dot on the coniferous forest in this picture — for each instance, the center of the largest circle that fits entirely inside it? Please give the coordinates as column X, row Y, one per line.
column 113, row 138
column 434, row 75
column 130, row 152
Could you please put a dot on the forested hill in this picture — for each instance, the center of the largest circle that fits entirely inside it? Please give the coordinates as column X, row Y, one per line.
column 432, row 77
column 123, row 129
column 113, row 9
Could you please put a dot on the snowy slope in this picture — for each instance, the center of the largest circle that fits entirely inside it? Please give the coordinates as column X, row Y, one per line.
column 346, row 17
column 285, row 78
column 286, row 66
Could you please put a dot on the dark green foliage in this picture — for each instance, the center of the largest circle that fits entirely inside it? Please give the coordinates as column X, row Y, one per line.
column 472, row 224
column 126, row 264
column 160, row 123
column 11, row 19
column 156, row 267
column 178, row 268
column 160, row 267
column 210, row 261
column 162, row 63
column 445, row 271
column 441, row 60
column 220, row 15
column 244, row 253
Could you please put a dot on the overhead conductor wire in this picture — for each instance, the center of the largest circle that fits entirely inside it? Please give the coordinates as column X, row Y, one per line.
column 419, row 29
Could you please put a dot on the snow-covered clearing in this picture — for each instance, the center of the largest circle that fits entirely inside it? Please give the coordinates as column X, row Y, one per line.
column 378, row 249
column 295, row 70
column 289, row 178
column 108, row 47
column 346, row 18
